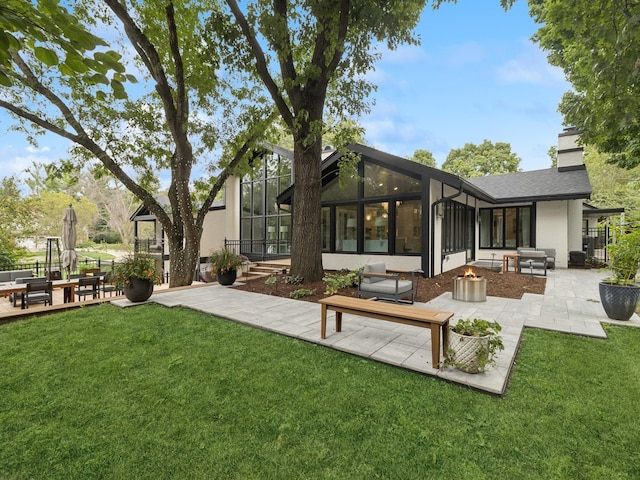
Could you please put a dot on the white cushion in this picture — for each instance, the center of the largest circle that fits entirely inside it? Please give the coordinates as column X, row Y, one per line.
column 380, row 267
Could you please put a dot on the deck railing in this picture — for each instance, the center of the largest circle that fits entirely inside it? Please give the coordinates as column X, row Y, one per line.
column 260, row 250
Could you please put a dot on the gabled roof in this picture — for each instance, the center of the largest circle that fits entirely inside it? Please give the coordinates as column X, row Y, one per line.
column 142, row 213
column 536, row 185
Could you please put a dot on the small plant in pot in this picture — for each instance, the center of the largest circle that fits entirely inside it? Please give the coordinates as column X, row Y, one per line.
column 473, row 345
column 225, row 262
column 618, row 293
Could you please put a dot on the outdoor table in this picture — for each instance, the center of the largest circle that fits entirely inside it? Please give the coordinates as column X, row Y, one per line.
column 68, row 286
column 505, row 262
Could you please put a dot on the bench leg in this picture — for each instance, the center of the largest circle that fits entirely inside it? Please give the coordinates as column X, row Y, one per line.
column 435, row 345
column 338, row 321
column 445, row 338
column 323, row 322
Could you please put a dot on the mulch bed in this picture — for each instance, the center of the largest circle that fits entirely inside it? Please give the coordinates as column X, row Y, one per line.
column 508, row 285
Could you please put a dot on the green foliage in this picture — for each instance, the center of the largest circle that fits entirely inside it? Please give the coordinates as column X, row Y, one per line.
column 293, row 279
column 476, row 328
column 481, row 160
column 56, row 38
column 17, row 217
column 596, row 43
column 334, row 282
column 613, row 187
column 624, row 254
column 107, row 237
column 138, row 266
column 302, row 292
column 425, row 157
column 225, row 260
column 271, row 280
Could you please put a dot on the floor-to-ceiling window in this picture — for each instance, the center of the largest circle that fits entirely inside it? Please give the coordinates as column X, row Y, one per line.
column 263, row 227
column 380, row 212
column 457, row 228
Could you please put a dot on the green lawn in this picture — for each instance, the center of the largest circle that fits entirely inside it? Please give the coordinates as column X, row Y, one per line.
column 157, row 393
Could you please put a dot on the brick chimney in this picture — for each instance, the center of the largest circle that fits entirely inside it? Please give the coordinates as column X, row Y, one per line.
column 570, row 154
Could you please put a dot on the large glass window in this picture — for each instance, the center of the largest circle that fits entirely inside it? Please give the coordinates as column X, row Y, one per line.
column 376, row 227
column 263, row 227
column 380, row 181
column 326, row 228
column 347, row 228
column 408, row 226
column 505, row 227
column 455, row 227
column 392, row 224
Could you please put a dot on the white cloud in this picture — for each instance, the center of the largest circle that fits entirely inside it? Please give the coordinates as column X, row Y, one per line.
column 530, row 66
column 466, row 53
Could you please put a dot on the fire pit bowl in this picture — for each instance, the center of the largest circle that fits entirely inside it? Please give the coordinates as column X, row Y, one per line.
column 469, row 287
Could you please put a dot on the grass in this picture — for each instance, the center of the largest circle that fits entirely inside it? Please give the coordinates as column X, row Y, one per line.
column 157, row 393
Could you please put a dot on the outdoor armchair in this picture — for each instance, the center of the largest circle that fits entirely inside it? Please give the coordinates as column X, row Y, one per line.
column 375, row 282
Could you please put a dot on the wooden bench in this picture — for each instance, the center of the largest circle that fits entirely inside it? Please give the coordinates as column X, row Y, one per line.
column 435, row 320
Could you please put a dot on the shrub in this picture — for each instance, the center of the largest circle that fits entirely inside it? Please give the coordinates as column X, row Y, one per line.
column 302, row 292
column 336, row 281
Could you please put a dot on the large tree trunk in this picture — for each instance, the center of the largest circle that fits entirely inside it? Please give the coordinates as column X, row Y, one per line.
column 306, row 239
column 183, row 258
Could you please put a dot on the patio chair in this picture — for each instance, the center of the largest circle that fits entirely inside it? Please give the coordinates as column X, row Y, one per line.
column 375, row 282
column 88, row 286
column 14, row 297
column 109, row 285
column 38, row 292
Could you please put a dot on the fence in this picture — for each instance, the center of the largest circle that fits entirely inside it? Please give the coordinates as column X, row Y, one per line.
column 40, row 267
column 260, row 250
column 594, row 241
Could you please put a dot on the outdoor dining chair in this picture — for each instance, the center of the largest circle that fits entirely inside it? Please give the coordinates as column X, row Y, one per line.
column 88, row 286
column 38, row 292
column 109, row 285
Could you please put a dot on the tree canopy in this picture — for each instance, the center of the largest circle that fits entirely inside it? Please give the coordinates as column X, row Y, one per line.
column 425, row 157
column 481, row 160
column 597, row 44
column 187, row 112
column 613, row 187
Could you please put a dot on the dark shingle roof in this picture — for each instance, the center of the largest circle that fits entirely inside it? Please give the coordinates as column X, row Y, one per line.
column 536, row 185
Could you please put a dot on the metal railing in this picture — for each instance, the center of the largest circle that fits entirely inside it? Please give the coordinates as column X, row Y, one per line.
column 148, row 245
column 594, row 241
column 260, row 250
column 39, row 268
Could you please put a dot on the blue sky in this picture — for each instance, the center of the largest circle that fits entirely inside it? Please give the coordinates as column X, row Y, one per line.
column 476, row 76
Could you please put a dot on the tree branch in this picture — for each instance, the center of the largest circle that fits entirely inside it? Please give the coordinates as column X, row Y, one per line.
column 261, row 63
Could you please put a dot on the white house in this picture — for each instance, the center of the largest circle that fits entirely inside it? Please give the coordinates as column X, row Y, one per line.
column 407, row 214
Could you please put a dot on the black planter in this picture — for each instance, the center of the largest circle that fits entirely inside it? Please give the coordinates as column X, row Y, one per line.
column 138, row 290
column 227, row 277
column 619, row 301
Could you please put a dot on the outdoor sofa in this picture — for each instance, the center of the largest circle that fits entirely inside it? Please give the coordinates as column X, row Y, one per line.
column 536, row 258
column 12, row 275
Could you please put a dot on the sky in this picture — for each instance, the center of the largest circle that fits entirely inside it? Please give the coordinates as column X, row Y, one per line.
column 475, row 76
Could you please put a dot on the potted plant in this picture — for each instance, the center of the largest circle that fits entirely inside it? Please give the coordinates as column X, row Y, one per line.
column 137, row 274
column 618, row 293
column 473, row 344
column 225, row 263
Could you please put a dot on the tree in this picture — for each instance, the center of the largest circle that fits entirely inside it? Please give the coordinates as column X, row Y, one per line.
column 188, row 112
column 316, row 58
column 15, row 219
column 481, row 160
column 596, row 43
column 613, row 186
column 49, row 210
column 425, row 157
